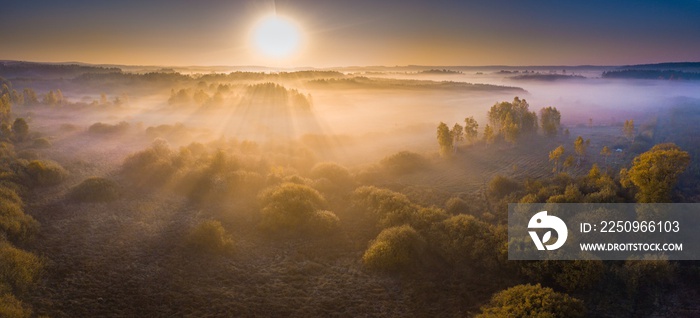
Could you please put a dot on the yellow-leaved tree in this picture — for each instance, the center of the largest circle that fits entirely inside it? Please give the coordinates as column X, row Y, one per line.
column 655, row 172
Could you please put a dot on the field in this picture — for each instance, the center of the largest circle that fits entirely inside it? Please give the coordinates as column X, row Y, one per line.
column 184, row 216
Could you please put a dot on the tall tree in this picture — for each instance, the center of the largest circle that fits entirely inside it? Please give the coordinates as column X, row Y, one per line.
column 628, row 129
column 555, row 155
column 59, row 97
column 445, row 140
column 550, row 120
column 471, row 129
column 655, row 172
column 569, row 162
column 457, row 135
column 510, row 130
column 489, row 135
column 20, row 129
column 580, row 147
column 50, row 98
column 594, row 173
column 17, row 98
column 606, row 153
column 511, row 119
column 30, row 97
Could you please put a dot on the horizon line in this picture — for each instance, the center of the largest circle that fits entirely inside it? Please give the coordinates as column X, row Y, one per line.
column 347, row 66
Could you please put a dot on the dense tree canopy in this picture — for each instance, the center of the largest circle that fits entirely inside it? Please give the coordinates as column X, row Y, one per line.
column 655, row 172
column 550, row 119
column 471, row 128
column 512, row 119
column 445, row 139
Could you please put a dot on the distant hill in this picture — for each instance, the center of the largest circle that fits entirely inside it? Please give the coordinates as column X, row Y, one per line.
column 676, row 66
column 547, row 77
column 652, row 74
column 440, row 72
column 361, row 82
column 15, row 69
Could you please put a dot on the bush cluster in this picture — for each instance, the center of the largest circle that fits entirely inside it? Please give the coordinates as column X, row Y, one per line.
column 11, row 307
column 532, row 301
column 95, row 189
column 395, row 248
column 46, row 172
column 292, row 207
column 19, row 270
column 41, row 143
column 102, row 128
column 210, row 236
column 389, row 208
column 14, row 223
column 404, row 162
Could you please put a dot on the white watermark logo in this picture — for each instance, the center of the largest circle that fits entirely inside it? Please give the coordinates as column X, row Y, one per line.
column 543, row 221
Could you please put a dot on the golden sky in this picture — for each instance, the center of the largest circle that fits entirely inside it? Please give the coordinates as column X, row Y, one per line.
column 345, row 33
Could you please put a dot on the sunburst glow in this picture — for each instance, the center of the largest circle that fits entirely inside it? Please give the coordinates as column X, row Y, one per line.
column 276, row 36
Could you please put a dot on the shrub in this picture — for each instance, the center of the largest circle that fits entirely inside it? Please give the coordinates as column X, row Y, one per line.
column 212, row 186
column 339, row 177
column 464, row 241
column 501, row 186
column 14, row 223
column 8, row 195
column 46, row 173
column 404, row 162
column 7, row 151
column 102, row 128
column 12, row 182
column 11, row 307
column 41, row 143
column 424, row 218
column 572, row 276
column 20, row 129
column 295, row 207
column 152, row 166
column 295, row 200
column 210, row 236
column 386, row 206
column 532, row 301
column 95, row 189
column 647, row 279
column 69, row 127
column 298, row 180
column 456, row 205
column 323, row 222
column 396, row 248
column 28, row 155
column 19, row 270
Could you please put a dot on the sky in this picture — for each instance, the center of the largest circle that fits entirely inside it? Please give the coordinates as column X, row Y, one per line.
column 354, row 33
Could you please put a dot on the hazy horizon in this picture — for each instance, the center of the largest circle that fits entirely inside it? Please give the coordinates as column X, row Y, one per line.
column 505, row 32
column 333, row 67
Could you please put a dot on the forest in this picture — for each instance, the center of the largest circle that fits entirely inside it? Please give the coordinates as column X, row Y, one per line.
column 326, row 193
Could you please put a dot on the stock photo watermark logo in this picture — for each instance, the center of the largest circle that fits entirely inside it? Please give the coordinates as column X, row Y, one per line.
column 543, row 221
column 603, row 231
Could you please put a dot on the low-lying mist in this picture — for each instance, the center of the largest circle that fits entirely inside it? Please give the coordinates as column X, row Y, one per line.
column 350, row 118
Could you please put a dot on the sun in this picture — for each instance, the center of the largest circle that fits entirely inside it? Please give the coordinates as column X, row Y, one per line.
column 276, row 36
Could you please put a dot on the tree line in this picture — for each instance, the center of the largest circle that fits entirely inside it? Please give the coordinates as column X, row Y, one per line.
column 507, row 121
